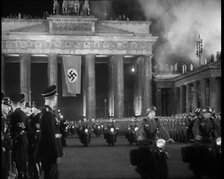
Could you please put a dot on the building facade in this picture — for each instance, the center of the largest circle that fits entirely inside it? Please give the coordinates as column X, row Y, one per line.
column 28, row 41
column 183, row 93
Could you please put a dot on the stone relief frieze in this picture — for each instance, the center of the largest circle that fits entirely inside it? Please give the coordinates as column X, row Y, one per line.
column 60, row 27
column 131, row 47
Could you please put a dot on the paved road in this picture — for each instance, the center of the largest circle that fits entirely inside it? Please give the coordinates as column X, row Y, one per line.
column 100, row 161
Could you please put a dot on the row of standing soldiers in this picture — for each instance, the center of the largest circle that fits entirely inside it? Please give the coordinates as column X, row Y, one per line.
column 182, row 127
column 31, row 141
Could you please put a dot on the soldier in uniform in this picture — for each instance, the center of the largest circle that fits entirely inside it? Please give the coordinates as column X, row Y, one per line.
column 49, row 148
column 205, row 128
column 19, row 145
column 151, row 127
column 5, row 138
column 63, row 131
column 33, row 135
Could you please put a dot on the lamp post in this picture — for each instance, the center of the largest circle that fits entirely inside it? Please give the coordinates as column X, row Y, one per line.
column 199, row 48
column 105, row 108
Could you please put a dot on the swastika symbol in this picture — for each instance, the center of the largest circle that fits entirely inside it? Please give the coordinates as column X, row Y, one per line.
column 72, row 75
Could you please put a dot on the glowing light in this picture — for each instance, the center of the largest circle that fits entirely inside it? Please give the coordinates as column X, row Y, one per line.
column 132, row 69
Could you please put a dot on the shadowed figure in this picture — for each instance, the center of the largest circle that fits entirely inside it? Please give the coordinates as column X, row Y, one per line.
column 85, row 9
column 56, row 7
column 70, row 7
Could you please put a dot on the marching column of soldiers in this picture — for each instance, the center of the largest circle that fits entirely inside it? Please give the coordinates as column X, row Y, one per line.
column 32, row 138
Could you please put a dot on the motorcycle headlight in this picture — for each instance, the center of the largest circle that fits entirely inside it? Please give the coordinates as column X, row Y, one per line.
column 218, row 141
column 111, row 129
column 160, row 143
column 136, row 128
column 86, row 130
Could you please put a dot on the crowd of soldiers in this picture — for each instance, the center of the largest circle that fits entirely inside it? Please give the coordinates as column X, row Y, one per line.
column 31, row 138
column 23, row 149
column 179, row 126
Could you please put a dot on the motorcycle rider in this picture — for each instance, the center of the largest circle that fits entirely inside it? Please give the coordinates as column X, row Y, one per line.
column 202, row 153
column 150, row 126
column 84, row 125
column 206, row 127
column 110, row 125
column 149, row 160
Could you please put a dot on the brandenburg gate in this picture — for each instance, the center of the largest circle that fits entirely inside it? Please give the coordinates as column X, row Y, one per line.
column 88, row 37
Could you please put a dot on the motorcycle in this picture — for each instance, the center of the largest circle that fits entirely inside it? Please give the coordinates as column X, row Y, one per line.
column 72, row 129
column 111, row 136
column 97, row 130
column 131, row 135
column 85, row 137
column 150, row 159
column 204, row 158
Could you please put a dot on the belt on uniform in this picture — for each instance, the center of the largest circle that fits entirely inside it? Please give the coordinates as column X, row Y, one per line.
column 58, row 135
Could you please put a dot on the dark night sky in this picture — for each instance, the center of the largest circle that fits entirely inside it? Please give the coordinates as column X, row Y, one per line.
column 37, row 7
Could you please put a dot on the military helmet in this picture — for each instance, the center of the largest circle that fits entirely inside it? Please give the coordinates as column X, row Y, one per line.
column 7, row 101
column 206, row 109
column 153, row 108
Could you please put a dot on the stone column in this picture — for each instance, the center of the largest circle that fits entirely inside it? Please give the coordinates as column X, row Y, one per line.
column 90, row 86
column 202, row 92
column 25, row 69
column 194, row 96
column 158, row 101
column 119, row 86
column 138, row 88
column 84, row 89
column 3, row 72
column 176, row 100
column 147, row 84
column 52, row 69
column 111, row 88
column 215, row 93
column 188, row 91
column 181, row 99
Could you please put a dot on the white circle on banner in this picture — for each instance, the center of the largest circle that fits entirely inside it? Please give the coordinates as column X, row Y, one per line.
column 72, row 75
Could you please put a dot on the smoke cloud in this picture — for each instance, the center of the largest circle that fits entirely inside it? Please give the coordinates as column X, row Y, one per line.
column 178, row 23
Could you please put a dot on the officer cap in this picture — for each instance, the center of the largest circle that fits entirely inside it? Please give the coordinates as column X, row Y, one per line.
column 18, row 98
column 2, row 95
column 50, row 91
column 7, row 101
column 206, row 109
column 153, row 108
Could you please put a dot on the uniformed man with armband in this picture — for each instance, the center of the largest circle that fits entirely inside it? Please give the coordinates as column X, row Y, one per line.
column 18, row 120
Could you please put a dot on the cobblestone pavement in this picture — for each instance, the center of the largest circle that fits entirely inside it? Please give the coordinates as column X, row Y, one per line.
column 100, row 161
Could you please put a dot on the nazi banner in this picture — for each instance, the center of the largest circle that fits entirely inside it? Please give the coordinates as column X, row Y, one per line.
column 71, row 77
